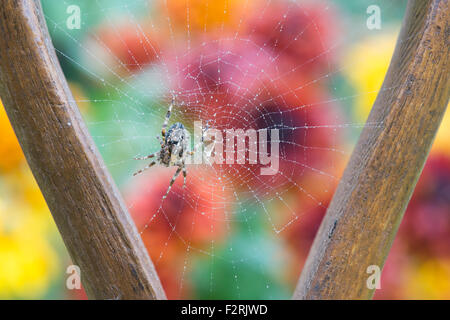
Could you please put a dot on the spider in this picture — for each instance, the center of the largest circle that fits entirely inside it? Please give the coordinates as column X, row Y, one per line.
column 174, row 149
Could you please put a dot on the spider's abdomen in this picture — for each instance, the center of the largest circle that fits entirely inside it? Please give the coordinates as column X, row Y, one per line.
column 176, row 135
column 176, row 144
column 175, row 129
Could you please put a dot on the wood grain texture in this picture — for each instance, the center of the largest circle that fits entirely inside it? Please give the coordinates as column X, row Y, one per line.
column 85, row 203
column 368, row 206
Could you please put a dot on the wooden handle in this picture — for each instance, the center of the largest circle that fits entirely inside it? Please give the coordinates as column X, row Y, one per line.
column 368, row 206
column 86, row 205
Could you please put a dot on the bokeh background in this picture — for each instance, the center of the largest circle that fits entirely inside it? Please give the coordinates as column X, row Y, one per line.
column 33, row 259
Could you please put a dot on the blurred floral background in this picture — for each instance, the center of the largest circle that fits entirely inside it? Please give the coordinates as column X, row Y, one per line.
column 318, row 54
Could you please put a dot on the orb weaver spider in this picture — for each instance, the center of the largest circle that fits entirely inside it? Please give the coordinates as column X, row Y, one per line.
column 174, row 148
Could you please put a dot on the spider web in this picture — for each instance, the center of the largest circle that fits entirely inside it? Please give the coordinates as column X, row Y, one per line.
column 261, row 64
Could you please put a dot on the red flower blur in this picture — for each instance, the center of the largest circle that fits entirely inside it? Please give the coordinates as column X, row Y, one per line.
column 189, row 219
column 252, row 82
column 131, row 46
column 300, row 36
column 423, row 237
column 426, row 224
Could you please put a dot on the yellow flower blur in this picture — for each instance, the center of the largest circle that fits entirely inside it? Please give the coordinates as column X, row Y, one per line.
column 28, row 261
column 366, row 65
column 442, row 142
column 430, row 280
column 10, row 152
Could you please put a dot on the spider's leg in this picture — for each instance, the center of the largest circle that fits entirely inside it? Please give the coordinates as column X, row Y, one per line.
column 166, row 120
column 205, row 129
column 142, row 170
column 184, row 174
column 175, row 176
column 161, row 142
column 147, row 157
